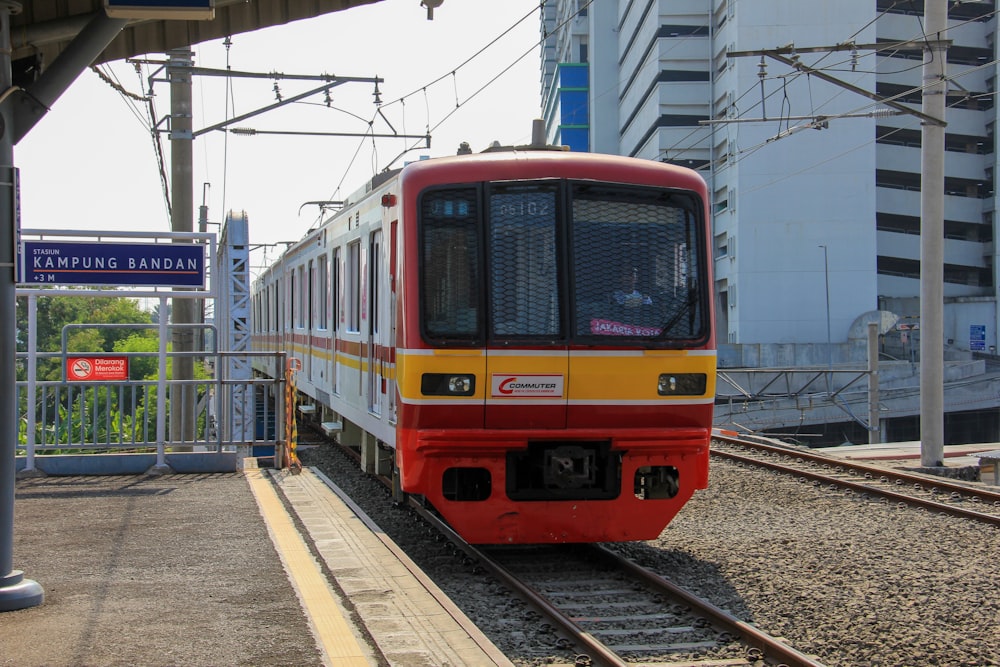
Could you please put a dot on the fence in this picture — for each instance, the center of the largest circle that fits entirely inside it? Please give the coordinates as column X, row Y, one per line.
column 60, row 416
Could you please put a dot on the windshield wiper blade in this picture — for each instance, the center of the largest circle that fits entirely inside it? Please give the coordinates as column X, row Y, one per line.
column 681, row 312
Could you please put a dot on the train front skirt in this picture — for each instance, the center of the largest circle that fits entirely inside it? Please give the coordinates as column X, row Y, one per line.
column 499, row 488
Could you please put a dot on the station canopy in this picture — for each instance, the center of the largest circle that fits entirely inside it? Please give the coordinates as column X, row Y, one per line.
column 44, row 28
column 53, row 41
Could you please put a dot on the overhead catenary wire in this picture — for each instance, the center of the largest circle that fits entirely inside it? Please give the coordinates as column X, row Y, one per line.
column 459, row 103
column 682, row 145
column 843, row 153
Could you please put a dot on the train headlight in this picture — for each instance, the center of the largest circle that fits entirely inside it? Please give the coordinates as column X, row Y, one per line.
column 447, row 384
column 682, row 384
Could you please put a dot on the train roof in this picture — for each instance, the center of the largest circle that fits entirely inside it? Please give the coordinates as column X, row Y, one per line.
column 531, row 162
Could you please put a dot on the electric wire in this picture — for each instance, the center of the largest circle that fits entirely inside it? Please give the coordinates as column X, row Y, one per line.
column 842, row 153
column 459, row 103
column 887, row 51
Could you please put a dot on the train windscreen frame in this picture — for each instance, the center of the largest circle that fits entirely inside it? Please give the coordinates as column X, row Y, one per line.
column 560, row 262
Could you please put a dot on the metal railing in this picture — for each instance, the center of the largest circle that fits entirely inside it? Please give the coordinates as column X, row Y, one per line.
column 128, row 416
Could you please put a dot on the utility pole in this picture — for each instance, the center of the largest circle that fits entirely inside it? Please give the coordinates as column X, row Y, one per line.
column 932, row 236
column 183, row 315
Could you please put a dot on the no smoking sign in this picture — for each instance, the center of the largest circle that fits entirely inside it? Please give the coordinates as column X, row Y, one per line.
column 97, row 369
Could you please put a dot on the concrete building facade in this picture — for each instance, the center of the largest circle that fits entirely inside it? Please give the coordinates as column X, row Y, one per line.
column 815, row 187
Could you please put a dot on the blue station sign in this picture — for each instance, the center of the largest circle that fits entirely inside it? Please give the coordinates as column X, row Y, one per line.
column 112, row 264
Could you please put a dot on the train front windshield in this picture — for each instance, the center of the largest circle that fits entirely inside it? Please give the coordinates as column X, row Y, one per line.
column 556, row 261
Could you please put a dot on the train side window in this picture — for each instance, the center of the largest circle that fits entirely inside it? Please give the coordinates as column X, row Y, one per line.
column 311, row 296
column 303, row 297
column 335, row 289
column 353, row 287
column 323, row 296
column 374, row 281
column 276, row 302
column 450, row 271
column 293, row 296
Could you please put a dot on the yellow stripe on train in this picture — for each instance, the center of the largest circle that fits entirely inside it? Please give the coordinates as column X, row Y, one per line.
column 591, row 376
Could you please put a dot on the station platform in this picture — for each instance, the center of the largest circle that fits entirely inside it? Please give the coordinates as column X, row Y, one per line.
column 257, row 567
column 954, row 455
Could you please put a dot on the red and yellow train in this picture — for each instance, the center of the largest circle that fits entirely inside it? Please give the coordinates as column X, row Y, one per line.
column 523, row 336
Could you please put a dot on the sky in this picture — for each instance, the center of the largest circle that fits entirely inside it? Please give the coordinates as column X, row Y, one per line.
column 90, row 163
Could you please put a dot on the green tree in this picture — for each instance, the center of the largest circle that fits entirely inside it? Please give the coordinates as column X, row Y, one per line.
column 55, row 312
column 91, row 413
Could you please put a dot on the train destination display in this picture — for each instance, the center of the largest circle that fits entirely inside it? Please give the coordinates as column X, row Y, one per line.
column 112, row 264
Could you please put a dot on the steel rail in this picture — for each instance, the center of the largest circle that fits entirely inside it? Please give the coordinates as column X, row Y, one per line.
column 771, row 647
column 864, row 488
column 773, row 650
column 823, row 459
column 597, row 650
column 583, row 638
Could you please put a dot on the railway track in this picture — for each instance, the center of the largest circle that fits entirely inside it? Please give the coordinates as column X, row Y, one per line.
column 618, row 613
column 612, row 612
column 615, row 613
column 848, row 581
column 936, row 494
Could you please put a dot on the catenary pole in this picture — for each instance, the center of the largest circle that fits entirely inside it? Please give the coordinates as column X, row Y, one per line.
column 16, row 592
column 183, row 310
column 932, row 236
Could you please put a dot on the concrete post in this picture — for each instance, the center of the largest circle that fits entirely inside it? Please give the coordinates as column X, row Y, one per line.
column 932, row 237
column 183, row 311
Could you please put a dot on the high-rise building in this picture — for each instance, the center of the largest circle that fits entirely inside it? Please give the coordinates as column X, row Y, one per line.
column 815, row 186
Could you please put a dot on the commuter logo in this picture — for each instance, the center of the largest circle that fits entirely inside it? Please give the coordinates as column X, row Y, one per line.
column 527, row 386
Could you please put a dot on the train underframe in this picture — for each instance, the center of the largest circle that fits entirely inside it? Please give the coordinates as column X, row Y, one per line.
column 504, row 487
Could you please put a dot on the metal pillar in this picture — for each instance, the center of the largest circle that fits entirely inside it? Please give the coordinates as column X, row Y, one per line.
column 874, row 417
column 183, row 310
column 932, row 236
column 16, row 592
column 232, row 317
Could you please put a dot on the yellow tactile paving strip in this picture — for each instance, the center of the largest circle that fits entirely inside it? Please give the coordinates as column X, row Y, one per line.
column 334, row 634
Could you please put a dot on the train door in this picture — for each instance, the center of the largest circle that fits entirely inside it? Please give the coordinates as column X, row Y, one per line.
column 390, row 392
column 322, row 320
column 376, row 346
column 528, row 360
column 309, row 310
column 293, row 295
column 334, row 321
column 277, row 299
column 300, row 313
column 352, row 288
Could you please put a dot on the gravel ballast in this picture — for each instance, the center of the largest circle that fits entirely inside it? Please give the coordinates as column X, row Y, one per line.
column 851, row 581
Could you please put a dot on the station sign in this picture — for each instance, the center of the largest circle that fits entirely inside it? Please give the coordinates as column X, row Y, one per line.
column 112, row 264
column 93, row 368
column 977, row 337
column 181, row 10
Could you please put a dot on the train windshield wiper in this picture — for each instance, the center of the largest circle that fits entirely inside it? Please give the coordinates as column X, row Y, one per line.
column 668, row 328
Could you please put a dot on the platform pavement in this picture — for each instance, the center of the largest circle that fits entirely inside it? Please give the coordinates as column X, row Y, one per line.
column 172, row 570
column 954, row 455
